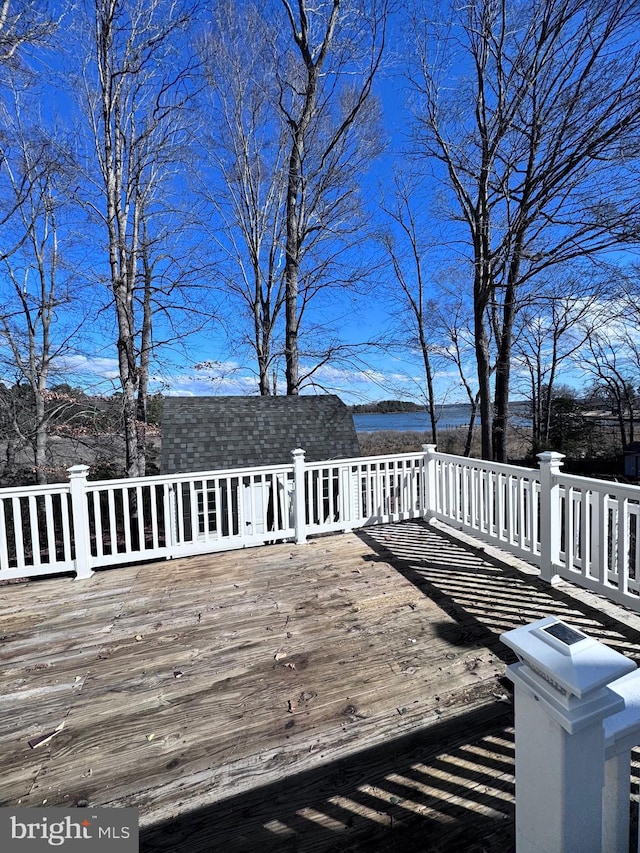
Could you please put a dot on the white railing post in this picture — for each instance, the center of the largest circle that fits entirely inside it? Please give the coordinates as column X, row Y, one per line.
column 300, row 509
column 563, row 695
column 550, row 515
column 429, row 495
column 79, row 513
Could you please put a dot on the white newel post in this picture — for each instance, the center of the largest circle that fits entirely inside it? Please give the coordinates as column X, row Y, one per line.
column 429, row 495
column 562, row 697
column 550, row 514
column 621, row 734
column 300, row 510
column 79, row 513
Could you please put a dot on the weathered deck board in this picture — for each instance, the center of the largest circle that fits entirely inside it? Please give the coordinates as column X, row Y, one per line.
column 344, row 695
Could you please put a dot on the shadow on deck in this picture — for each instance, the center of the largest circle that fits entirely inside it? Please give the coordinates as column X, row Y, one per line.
column 448, row 788
column 343, row 696
column 487, row 596
column 445, row 789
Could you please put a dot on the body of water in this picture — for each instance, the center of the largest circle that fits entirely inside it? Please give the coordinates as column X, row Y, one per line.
column 449, row 417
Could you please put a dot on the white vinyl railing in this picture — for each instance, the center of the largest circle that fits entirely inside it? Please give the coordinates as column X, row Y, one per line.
column 348, row 493
column 598, row 546
column 82, row 525
column 496, row 503
column 35, row 531
column 581, row 529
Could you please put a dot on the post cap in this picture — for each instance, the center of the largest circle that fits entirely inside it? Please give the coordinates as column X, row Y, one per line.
column 78, row 471
column 568, row 660
column 550, row 457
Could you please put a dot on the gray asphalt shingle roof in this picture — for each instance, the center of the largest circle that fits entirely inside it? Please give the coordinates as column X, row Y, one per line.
column 210, row 433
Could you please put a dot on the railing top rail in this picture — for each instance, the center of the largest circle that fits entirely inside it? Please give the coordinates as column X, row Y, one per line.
column 161, row 479
column 502, row 467
column 25, row 491
column 594, row 485
column 366, row 460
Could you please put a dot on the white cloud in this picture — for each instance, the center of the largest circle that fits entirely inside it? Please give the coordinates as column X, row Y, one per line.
column 216, row 377
column 84, row 366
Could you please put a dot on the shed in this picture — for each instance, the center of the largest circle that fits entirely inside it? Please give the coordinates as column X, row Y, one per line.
column 213, row 433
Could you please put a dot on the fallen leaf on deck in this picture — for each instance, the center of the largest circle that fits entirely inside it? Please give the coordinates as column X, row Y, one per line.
column 151, row 736
column 280, row 655
column 42, row 739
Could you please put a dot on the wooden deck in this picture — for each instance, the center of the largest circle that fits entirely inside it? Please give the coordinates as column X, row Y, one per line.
column 346, row 695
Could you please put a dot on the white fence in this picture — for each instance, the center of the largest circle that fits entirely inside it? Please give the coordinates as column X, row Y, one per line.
column 584, row 530
column 581, row 529
column 82, row 525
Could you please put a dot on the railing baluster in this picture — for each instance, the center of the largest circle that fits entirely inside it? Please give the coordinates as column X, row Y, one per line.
column 17, row 531
column 153, row 500
column 112, row 529
column 4, row 550
column 49, row 527
column 622, row 550
column 34, row 531
column 127, row 519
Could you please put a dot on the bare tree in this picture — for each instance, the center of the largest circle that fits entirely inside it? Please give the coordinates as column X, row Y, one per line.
column 551, row 334
column 137, row 83
column 331, row 54
column 614, row 363
column 245, row 146
column 406, row 248
column 294, row 129
column 453, row 318
column 527, row 108
column 32, row 177
column 36, row 287
column 23, row 23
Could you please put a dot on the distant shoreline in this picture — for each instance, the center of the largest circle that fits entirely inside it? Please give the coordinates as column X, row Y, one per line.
column 451, row 417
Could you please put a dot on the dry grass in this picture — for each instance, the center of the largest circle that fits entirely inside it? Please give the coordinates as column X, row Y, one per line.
column 449, row 441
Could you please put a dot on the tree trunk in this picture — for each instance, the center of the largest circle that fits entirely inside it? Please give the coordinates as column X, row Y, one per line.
column 470, row 428
column 40, row 456
column 484, row 374
column 431, row 400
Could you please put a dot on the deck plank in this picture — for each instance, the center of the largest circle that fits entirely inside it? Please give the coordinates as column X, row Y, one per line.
column 342, row 695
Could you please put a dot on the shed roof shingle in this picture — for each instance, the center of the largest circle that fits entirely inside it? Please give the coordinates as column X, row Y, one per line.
column 210, row 433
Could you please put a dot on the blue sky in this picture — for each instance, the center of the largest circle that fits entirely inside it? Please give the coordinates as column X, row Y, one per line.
column 372, row 373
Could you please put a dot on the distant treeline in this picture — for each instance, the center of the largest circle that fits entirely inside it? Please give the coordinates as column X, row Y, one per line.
column 385, row 407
